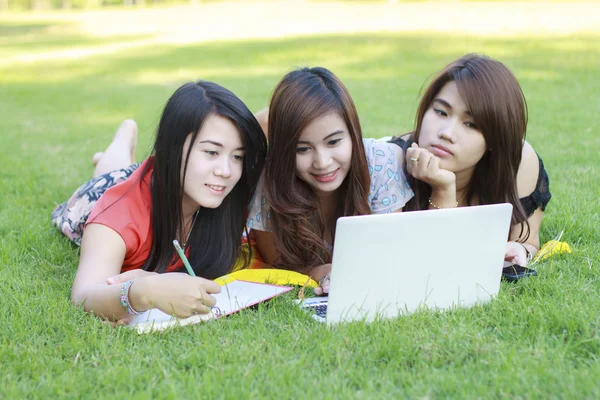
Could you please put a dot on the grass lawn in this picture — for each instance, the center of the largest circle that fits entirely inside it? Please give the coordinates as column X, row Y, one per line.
column 539, row 339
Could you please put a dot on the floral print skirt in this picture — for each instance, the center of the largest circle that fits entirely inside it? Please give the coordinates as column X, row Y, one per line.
column 70, row 216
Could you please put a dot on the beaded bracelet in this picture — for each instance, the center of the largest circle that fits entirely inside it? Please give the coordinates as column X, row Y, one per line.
column 125, row 298
column 440, row 208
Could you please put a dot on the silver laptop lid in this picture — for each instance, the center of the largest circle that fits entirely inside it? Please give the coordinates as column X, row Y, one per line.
column 390, row 264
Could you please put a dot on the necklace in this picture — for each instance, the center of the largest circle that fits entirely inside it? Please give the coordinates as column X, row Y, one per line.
column 184, row 243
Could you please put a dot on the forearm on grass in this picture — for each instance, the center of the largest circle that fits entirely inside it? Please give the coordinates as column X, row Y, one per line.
column 104, row 300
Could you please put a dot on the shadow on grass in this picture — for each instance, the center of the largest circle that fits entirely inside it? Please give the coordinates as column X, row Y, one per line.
column 46, row 36
column 18, row 30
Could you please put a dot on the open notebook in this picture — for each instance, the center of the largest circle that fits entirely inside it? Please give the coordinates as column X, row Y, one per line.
column 234, row 296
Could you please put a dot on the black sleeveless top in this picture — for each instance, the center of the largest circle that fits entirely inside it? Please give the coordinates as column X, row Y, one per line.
column 540, row 196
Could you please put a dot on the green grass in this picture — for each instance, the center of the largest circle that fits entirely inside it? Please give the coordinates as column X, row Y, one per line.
column 539, row 339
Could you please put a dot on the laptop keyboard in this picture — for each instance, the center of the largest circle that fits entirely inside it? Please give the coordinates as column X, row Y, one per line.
column 317, row 306
column 320, row 310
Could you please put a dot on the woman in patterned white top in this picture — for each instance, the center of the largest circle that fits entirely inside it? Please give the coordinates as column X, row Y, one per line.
column 318, row 168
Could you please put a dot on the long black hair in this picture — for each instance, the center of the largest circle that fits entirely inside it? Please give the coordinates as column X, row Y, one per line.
column 215, row 240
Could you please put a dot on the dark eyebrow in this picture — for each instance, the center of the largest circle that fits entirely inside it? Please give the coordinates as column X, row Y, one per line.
column 443, row 102
column 447, row 105
column 325, row 138
column 219, row 144
column 212, row 142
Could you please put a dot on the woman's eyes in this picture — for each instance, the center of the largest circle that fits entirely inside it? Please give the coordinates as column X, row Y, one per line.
column 306, row 149
column 213, row 153
column 444, row 114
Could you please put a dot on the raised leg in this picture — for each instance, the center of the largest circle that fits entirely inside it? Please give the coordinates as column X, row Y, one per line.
column 120, row 153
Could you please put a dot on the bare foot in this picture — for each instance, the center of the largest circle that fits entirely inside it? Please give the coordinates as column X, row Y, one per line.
column 121, row 151
column 96, row 157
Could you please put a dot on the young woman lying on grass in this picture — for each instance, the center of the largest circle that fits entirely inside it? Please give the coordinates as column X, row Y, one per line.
column 207, row 158
column 469, row 148
column 318, row 169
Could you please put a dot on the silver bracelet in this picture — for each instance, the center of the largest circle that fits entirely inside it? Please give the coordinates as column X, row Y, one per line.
column 125, row 298
column 529, row 255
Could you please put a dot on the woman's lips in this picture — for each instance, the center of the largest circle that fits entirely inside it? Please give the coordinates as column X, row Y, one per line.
column 441, row 151
column 329, row 177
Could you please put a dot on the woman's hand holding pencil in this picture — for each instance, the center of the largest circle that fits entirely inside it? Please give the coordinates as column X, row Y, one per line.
column 174, row 293
column 179, row 294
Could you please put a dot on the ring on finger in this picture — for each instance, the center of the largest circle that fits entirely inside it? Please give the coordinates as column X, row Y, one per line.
column 414, row 159
column 323, row 279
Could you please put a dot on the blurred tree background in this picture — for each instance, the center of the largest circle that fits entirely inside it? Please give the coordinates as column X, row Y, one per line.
column 37, row 5
column 34, row 5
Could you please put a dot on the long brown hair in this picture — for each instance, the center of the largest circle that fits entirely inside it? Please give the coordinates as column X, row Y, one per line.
column 495, row 100
column 295, row 218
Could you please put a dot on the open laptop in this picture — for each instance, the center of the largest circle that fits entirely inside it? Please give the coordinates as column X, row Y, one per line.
column 393, row 264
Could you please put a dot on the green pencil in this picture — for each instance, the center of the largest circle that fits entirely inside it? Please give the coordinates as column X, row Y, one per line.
column 183, row 258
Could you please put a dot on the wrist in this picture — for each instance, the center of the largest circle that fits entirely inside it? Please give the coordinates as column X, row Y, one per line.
column 445, row 182
column 138, row 296
column 443, row 197
column 320, row 272
column 444, row 190
column 528, row 253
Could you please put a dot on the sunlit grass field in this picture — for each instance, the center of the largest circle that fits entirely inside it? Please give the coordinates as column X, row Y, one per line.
column 63, row 92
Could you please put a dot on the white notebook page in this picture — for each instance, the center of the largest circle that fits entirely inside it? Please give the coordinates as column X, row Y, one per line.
column 234, row 296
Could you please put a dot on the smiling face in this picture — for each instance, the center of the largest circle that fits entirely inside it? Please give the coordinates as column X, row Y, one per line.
column 324, row 153
column 214, row 166
column 449, row 132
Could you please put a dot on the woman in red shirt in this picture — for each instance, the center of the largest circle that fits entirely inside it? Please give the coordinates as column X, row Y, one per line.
column 196, row 187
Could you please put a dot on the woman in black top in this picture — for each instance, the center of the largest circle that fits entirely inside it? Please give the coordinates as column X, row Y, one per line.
column 469, row 148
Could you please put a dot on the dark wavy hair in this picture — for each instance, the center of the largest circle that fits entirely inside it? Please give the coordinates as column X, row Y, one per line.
column 496, row 102
column 215, row 240
column 296, row 220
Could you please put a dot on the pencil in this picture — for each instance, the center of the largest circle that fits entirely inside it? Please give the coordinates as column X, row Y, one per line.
column 183, row 258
